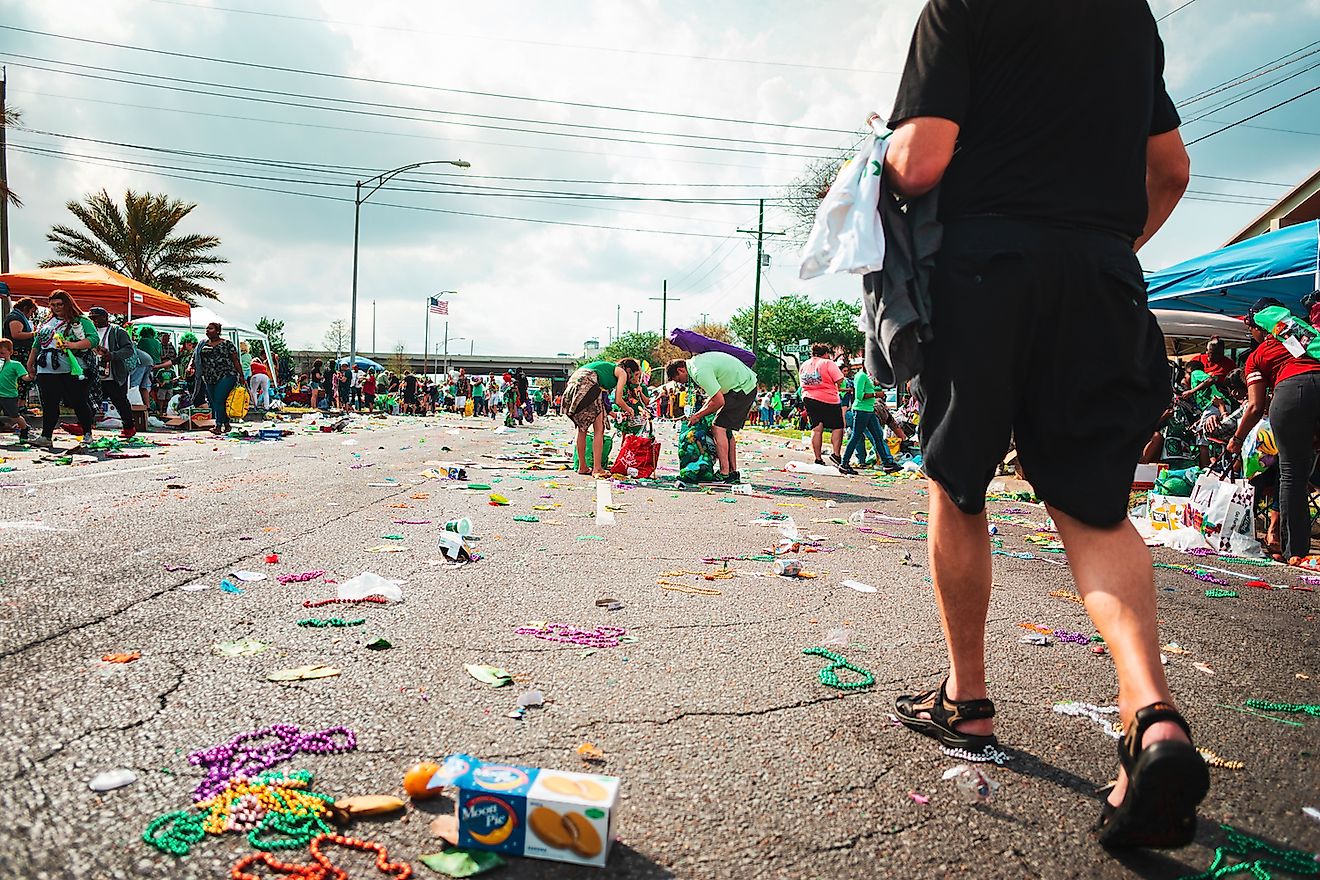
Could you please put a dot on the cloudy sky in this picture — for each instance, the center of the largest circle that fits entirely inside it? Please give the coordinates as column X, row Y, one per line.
column 613, row 145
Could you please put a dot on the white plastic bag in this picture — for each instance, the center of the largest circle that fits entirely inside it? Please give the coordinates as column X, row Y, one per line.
column 847, row 235
column 370, row 584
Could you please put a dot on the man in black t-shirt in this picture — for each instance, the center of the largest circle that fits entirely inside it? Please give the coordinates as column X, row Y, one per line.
column 1055, row 147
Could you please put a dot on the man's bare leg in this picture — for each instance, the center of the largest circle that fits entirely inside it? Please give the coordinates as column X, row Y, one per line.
column 721, row 438
column 817, row 435
column 1113, row 571
column 960, row 567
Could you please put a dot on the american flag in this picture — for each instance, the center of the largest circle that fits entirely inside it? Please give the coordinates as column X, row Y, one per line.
column 439, row 306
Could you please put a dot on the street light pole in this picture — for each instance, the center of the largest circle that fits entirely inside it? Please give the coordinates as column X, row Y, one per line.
column 380, row 179
column 637, row 313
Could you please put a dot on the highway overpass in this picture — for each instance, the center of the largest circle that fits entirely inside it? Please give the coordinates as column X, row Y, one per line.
column 478, row 364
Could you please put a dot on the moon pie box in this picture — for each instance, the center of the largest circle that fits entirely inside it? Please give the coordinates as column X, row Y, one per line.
column 527, row 811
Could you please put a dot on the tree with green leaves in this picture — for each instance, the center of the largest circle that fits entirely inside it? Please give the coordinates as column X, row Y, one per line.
column 640, row 346
column 138, row 239
column 788, row 319
column 274, row 331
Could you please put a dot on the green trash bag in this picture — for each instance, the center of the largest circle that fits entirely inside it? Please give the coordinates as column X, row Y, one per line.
column 605, row 450
column 1177, row 484
column 697, row 458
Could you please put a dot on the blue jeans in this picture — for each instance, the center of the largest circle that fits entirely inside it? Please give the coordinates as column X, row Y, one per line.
column 217, row 393
column 866, row 423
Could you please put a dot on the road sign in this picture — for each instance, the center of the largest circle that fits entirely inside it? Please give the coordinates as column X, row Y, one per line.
column 796, row 349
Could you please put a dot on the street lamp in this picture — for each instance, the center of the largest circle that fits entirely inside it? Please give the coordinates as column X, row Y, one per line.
column 380, row 179
column 449, row 339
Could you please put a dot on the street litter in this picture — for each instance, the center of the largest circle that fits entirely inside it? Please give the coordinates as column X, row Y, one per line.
column 491, row 675
column 369, row 584
column 303, row 673
column 531, row 811
column 112, row 779
column 858, row 586
column 244, row 647
column 829, row 675
column 596, row 637
column 973, row 783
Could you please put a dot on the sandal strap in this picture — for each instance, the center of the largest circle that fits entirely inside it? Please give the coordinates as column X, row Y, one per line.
column 965, row 710
column 1130, row 745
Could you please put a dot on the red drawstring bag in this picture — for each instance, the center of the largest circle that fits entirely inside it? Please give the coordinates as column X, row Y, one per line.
column 639, row 453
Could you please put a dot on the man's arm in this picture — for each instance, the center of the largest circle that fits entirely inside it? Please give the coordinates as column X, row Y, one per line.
column 919, row 153
column 1168, row 170
column 714, row 402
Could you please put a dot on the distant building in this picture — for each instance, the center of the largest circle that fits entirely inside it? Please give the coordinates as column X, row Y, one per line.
column 591, row 348
column 1298, row 206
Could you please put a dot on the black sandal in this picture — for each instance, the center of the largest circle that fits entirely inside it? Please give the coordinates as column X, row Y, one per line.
column 1166, row 780
column 944, row 714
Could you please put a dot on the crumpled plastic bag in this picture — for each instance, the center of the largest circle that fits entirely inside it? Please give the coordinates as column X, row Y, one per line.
column 847, row 234
column 369, row 584
column 461, row 862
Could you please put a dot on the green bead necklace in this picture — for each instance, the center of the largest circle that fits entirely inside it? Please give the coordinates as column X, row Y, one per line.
column 1255, row 858
column 331, row 621
column 830, row 678
column 1220, row 594
column 1267, row 706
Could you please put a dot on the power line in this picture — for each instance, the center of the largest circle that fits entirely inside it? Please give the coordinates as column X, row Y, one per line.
column 354, row 104
column 1251, row 94
column 1176, row 9
column 1255, row 72
column 386, row 82
column 617, row 49
column 1253, row 116
column 65, row 157
column 1243, row 180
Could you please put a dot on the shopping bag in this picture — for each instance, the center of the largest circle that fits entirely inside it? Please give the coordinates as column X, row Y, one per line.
column 469, row 408
column 697, row 458
column 847, row 235
column 1220, row 511
column 606, row 448
column 638, row 457
column 236, row 405
column 1259, row 451
column 135, row 396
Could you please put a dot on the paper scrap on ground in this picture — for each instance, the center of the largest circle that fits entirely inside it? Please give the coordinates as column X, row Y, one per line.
column 112, row 779
column 461, row 862
column 303, row 673
column 858, row 586
column 604, row 515
column 370, row 584
column 250, row 576
column 491, row 675
column 244, row 647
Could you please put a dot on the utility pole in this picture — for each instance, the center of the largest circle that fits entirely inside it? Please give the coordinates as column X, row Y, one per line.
column 637, row 313
column 704, row 316
column 760, row 233
column 373, row 326
column 4, row 193
column 663, row 299
column 618, row 329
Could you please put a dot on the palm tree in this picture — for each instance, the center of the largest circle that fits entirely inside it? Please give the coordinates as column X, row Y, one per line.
column 12, row 118
column 138, row 240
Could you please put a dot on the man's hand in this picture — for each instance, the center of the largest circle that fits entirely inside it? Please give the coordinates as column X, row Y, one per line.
column 1234, row 446
column 693, row 419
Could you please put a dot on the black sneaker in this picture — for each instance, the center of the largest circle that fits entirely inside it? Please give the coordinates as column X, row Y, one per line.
column 820, row 461
column 734, row 477
column 892, row 468
column 847, row 469
column 834, row 458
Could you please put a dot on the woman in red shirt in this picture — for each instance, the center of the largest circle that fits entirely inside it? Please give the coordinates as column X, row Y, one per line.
column 1291, row 386
column 369, row 390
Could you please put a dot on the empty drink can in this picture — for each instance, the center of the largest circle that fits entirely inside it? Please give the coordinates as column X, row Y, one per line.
column 788, row 567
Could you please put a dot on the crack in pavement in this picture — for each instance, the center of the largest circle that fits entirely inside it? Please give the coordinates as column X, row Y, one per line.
column 163, row 703
column 744, row 713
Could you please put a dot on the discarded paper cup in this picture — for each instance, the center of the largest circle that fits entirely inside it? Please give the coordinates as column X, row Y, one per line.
column 462, row 526
column 788, row 567
column 457, row 473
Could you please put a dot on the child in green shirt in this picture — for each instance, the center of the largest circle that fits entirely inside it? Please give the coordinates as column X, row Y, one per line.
column 11, row 373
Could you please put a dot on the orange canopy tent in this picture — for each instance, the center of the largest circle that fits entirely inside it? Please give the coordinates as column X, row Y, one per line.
column 96, row 286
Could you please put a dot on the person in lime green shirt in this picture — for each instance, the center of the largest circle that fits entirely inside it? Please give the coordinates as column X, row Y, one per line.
column 11, row 373
column 730, row 387
column 866, row 422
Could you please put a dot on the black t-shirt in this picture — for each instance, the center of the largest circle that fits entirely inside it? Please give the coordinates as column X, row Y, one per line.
column 21, row 347
column 409, row 385
column 1054, row 100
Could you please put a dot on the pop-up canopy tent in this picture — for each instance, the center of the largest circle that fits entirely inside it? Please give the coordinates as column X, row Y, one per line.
column 96, row 286
column 1283, row 264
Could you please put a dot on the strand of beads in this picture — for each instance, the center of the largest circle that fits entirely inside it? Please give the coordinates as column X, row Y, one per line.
column 1221, row 594
column 251, row 753
column 1110, row 725
column 331, row 621
column 829, row 676
column 1267, row 706
column 276, row 811
column 599, row 637
column 1215, row 761
column 300, row 577
column 321, row 868
column 375, row 600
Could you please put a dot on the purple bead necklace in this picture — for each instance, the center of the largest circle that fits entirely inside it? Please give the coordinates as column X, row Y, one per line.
column 239, row 757
column 598, row 637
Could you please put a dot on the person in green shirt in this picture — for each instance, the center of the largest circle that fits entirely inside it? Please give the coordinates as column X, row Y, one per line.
column 730, row 388
column 11, row 373
column 866, row 422
column 584, row 403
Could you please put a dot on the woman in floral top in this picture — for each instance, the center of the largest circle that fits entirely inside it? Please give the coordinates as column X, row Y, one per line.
column 218, row 369
column 62, row 360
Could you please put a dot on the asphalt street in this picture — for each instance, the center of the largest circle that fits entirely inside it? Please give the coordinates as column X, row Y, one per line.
column 735, row 760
